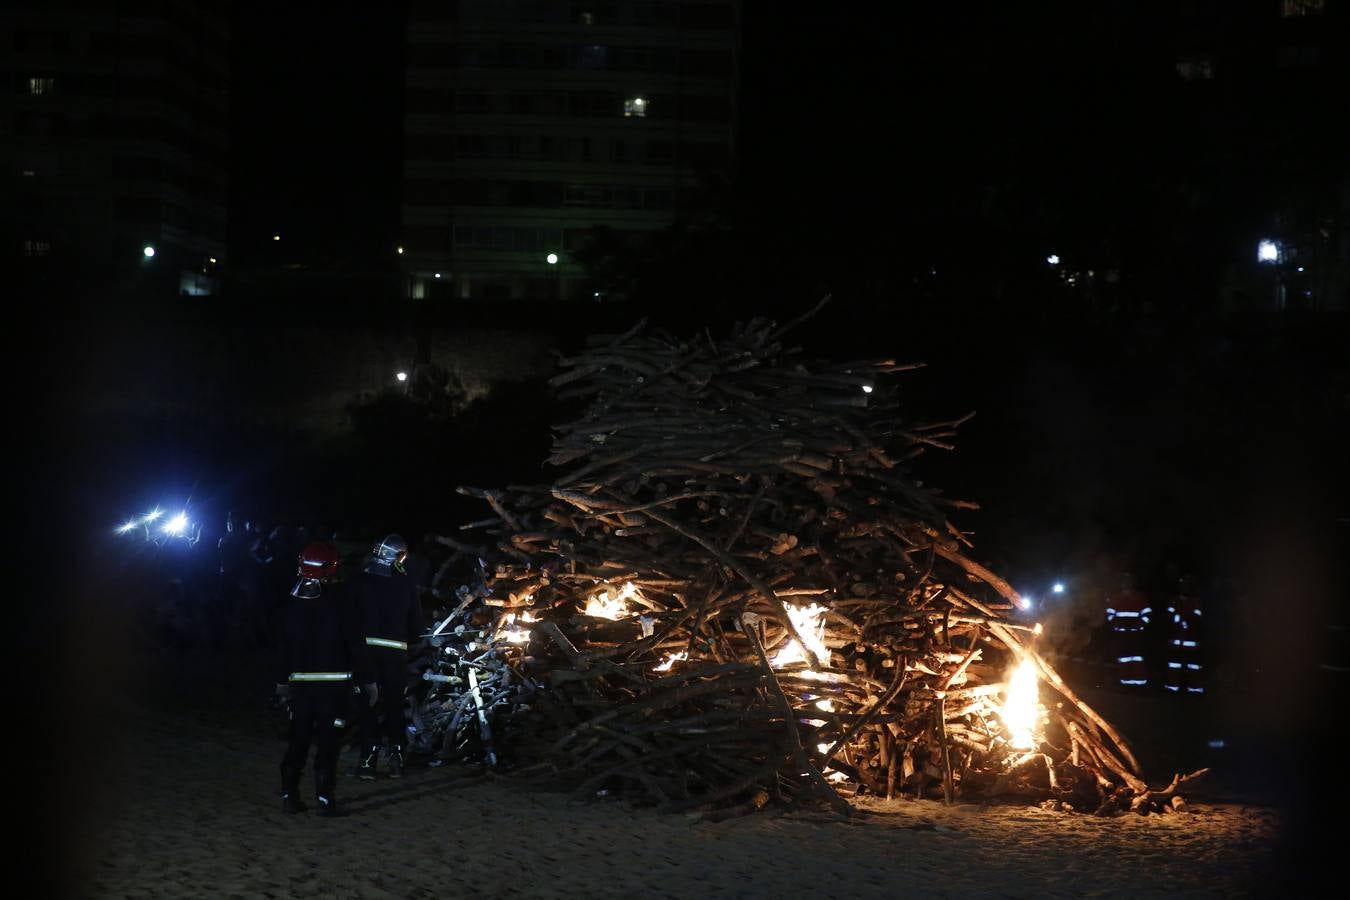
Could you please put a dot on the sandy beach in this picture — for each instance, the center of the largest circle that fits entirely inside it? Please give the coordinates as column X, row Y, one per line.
column 190, row 809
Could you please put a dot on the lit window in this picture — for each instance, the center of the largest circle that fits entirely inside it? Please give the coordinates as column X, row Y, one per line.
column 1198, row 69
column 635, row 106
column 40, row 86
column 1294, row 8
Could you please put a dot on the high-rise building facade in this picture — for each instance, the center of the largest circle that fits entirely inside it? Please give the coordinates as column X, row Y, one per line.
column 535, row 127
column 114, row 134
column 1261, row 83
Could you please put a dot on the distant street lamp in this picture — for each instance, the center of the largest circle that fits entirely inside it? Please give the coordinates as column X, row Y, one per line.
column 402, row 376
column 552, row 259
column 276, row 237
column 1268, row 252
column 400, row 251
column 149, row 251
column 1053, row 259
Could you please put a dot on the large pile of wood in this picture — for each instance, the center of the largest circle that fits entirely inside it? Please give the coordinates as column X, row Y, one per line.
column 738, row 593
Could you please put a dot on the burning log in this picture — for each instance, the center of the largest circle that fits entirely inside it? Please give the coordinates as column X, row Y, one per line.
column 738, row 593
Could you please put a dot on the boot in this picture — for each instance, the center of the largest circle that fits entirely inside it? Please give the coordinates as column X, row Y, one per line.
column 329, row 809
column 366, row 771
column 290, row 804
column 396, row 762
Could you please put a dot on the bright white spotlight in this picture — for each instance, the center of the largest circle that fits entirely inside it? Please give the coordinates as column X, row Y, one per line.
column 1267, row 252
column 438, row 274
column 127, row 526
column 552, row 259
column 400, row 251
column 1058, row 588
column 867, row 389
column 152, row 515
column 148, row 251
column 1025, row 601
column 1053, row 259
column 177, row 525
column 402, row 376
column 276, row 237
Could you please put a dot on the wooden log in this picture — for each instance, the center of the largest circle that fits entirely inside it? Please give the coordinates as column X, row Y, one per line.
column 794, row 739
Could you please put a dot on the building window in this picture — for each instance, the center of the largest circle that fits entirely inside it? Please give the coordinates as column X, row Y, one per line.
column 1197, row 69
column 40, row 86
column 635, row 107
column 593, row 56
column 1294, row 57
column 1295, row 8
column 660, row 152
column 658, row 198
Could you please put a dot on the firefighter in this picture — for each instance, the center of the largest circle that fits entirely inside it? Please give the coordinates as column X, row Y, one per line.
column 1128, row 615
column 1185, row 672
column 390, row 613
column 320, row 653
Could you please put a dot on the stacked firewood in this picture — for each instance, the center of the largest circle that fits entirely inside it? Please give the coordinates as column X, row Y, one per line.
column 738, row 593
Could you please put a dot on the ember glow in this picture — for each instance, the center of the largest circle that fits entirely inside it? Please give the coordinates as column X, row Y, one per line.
column 1021, row 706
column 605, row 605
column 670, row 661
column 810, row 624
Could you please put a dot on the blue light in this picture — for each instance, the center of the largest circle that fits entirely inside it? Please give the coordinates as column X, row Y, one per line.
column 1058, row 588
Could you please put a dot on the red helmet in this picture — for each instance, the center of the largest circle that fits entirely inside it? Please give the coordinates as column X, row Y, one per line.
column 319, row 561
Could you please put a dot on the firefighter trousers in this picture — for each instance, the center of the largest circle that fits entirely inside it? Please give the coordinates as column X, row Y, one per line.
column 315, row 711
column 386, row 718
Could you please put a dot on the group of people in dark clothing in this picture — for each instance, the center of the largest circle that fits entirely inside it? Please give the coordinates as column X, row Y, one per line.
column 342, row 650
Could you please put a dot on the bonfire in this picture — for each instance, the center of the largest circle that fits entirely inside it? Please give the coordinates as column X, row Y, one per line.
column 739, row 593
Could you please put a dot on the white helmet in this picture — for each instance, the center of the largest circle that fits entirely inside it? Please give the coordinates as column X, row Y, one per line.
column 389, row 555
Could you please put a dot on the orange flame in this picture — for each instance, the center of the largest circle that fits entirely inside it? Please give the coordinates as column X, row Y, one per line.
column 604, row 605
column 1021, row 706
column 810, row 624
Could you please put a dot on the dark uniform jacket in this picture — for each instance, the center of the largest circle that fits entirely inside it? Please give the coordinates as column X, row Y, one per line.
column 389, row 611
column 320, row 638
